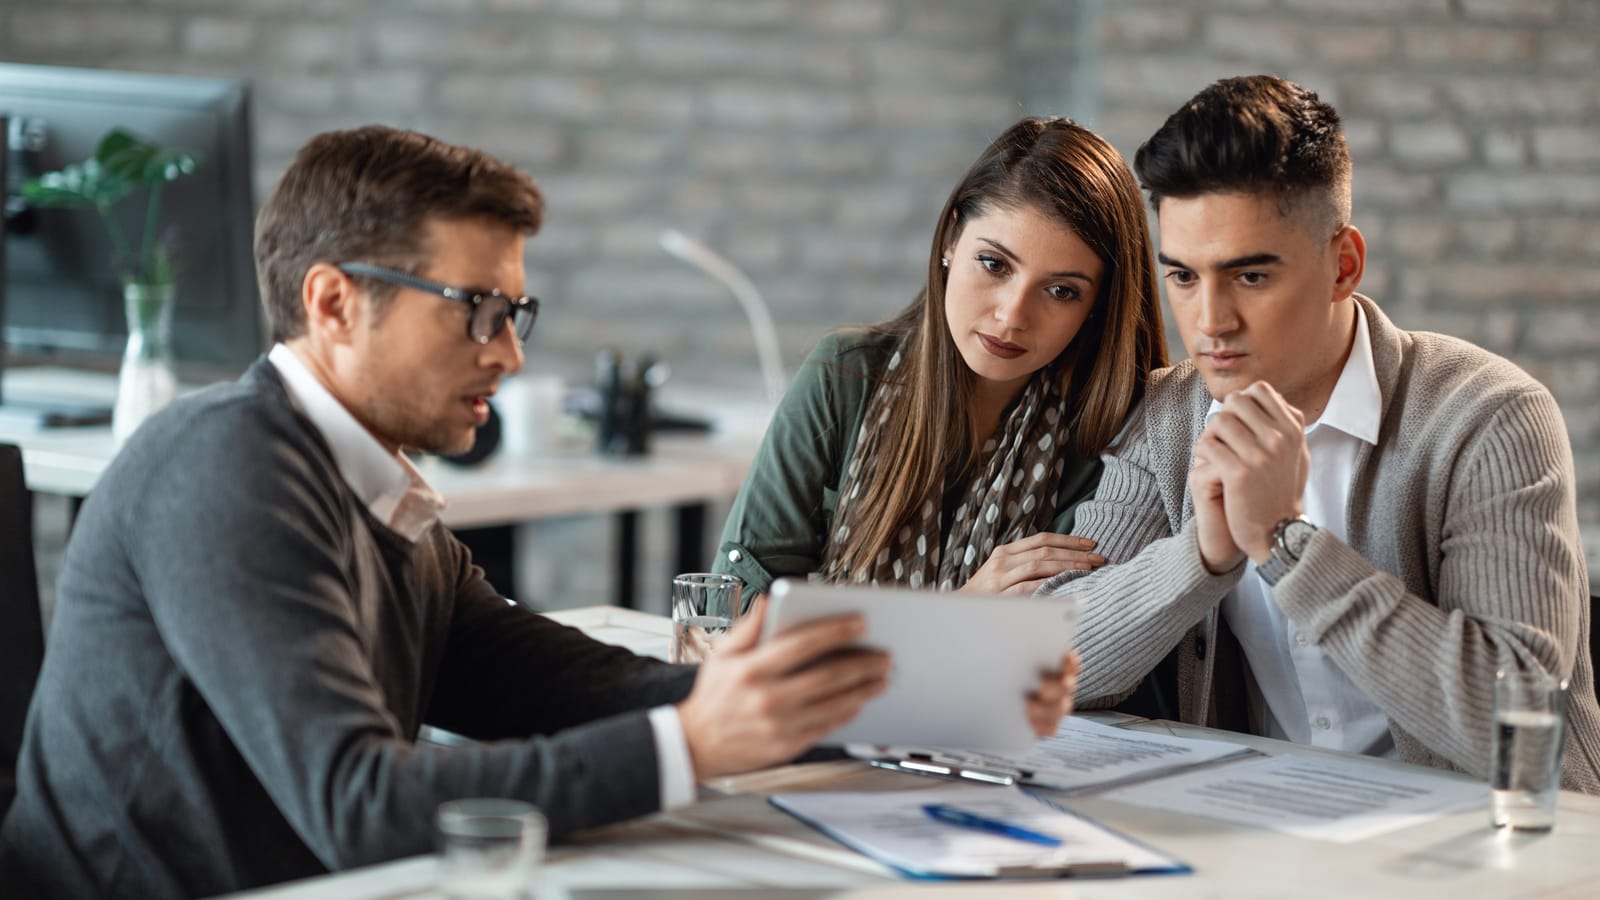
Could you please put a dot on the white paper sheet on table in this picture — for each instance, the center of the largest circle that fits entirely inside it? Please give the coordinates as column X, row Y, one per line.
column 1082, row 756
column 1318, row 797
column 891, row 827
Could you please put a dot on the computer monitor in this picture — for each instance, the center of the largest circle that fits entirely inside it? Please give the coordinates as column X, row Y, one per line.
column 62, row 303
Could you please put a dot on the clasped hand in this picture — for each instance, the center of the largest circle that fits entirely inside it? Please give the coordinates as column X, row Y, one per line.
column 761, row 704
column 1249, row 473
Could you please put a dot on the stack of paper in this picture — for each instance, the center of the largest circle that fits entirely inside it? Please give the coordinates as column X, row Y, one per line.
column 1321, row 797
column 1083, row 756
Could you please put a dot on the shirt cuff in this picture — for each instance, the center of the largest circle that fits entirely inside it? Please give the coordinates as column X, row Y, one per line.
column 672, row 758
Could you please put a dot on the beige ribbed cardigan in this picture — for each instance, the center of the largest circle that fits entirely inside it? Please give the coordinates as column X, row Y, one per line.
column 1463, row 558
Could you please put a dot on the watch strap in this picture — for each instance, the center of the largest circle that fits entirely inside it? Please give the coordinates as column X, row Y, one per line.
column 1282, row 558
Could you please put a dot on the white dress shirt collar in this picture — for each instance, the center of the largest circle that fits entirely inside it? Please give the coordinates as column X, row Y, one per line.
column 1356, row 405
column 387, row 483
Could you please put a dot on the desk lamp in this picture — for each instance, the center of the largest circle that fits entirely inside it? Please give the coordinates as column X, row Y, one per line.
column 729, row 276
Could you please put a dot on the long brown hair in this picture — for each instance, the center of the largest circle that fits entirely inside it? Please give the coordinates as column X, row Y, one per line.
column 1065, row 171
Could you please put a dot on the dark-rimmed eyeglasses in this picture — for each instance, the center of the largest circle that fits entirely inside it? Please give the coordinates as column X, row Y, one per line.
column 489, row 310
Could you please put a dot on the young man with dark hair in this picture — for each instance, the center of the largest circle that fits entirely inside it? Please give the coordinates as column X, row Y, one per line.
column 259, row 608
column 1321, row 527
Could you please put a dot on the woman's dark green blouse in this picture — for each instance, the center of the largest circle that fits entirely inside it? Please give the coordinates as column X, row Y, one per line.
column 780, row 521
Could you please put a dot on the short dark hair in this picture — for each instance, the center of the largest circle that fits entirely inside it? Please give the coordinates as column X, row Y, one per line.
column 365, row 195
column 1252, row 134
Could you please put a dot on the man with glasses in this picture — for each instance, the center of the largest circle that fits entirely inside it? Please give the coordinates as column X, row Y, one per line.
column 259, row 610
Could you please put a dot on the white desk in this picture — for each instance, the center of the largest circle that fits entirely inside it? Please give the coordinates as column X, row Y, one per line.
column 678, row 470
column 643, row 633
column 682, row 472
column 68, row 461
column 504, row 490
column 736, row 845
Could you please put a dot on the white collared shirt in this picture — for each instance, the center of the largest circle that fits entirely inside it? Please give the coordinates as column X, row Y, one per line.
column 397, row 495
column 387, row 483
column 1305, row 697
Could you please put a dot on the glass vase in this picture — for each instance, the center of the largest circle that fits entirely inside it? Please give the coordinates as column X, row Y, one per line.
column 148, row 379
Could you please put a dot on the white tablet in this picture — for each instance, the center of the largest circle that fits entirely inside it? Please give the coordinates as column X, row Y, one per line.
column 963, row 664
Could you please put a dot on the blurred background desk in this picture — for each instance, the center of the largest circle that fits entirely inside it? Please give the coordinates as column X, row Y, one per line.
column 687, row 474
column 484, row 502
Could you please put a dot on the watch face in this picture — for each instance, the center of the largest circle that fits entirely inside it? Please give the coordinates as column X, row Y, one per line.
column 1296, row 534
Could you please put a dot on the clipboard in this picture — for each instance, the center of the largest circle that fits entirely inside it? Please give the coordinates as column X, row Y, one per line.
column 891, row 828
column 941, row 765
column 962, row 664
column 1083, row 756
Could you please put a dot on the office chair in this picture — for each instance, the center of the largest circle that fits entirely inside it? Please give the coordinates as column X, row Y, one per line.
column 21, row 628
column 1594, row 637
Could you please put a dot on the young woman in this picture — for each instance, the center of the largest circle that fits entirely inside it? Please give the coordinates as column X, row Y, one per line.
column 949, row 447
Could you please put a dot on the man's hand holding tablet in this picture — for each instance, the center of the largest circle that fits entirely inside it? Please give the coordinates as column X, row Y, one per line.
column 762, row 704
column 957, row 661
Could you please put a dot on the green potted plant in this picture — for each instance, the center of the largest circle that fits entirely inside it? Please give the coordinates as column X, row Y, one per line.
column 122, row 164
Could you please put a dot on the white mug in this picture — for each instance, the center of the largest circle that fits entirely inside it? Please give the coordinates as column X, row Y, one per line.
column 531, row 407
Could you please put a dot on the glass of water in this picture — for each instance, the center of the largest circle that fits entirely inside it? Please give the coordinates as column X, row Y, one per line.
column 489, row 848
column 1525, row 778
column 704, row 607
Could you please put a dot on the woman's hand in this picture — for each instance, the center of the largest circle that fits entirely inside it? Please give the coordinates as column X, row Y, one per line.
column 1021, row 566
column 1052, row 702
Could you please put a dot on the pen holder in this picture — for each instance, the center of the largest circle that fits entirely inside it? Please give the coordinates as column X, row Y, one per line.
column 626, row 394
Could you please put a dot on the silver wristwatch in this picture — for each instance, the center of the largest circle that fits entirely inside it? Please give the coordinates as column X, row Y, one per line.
column 1289, row 540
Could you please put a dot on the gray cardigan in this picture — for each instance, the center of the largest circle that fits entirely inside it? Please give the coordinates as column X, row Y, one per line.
column 1463, row 558
column 242, row 657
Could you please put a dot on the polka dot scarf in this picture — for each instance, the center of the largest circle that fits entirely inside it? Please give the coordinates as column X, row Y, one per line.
column 1011, row 495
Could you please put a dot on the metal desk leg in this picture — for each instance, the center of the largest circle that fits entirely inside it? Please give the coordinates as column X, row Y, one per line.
column 627, row 558
column 493, row 548
column 692, row 555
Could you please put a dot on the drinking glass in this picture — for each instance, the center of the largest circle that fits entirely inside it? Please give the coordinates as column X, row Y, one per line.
column 489, row 848
column 1529, row 732
column 704, row 607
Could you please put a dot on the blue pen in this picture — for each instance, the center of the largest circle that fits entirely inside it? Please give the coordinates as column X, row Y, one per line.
column 950, row 815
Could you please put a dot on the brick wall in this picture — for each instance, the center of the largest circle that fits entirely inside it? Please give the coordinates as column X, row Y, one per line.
column 813, row 142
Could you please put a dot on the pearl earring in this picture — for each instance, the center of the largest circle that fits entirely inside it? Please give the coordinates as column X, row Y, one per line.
column 945, row 262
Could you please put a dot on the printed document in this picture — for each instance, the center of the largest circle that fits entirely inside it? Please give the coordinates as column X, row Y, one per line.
column 1087, row 756
column 1081, row 757
column 1328, row 799
column 891, row 827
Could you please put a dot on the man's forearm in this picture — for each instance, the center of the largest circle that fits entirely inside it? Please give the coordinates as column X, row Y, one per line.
column 1503, row 588
column 1134, row 613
